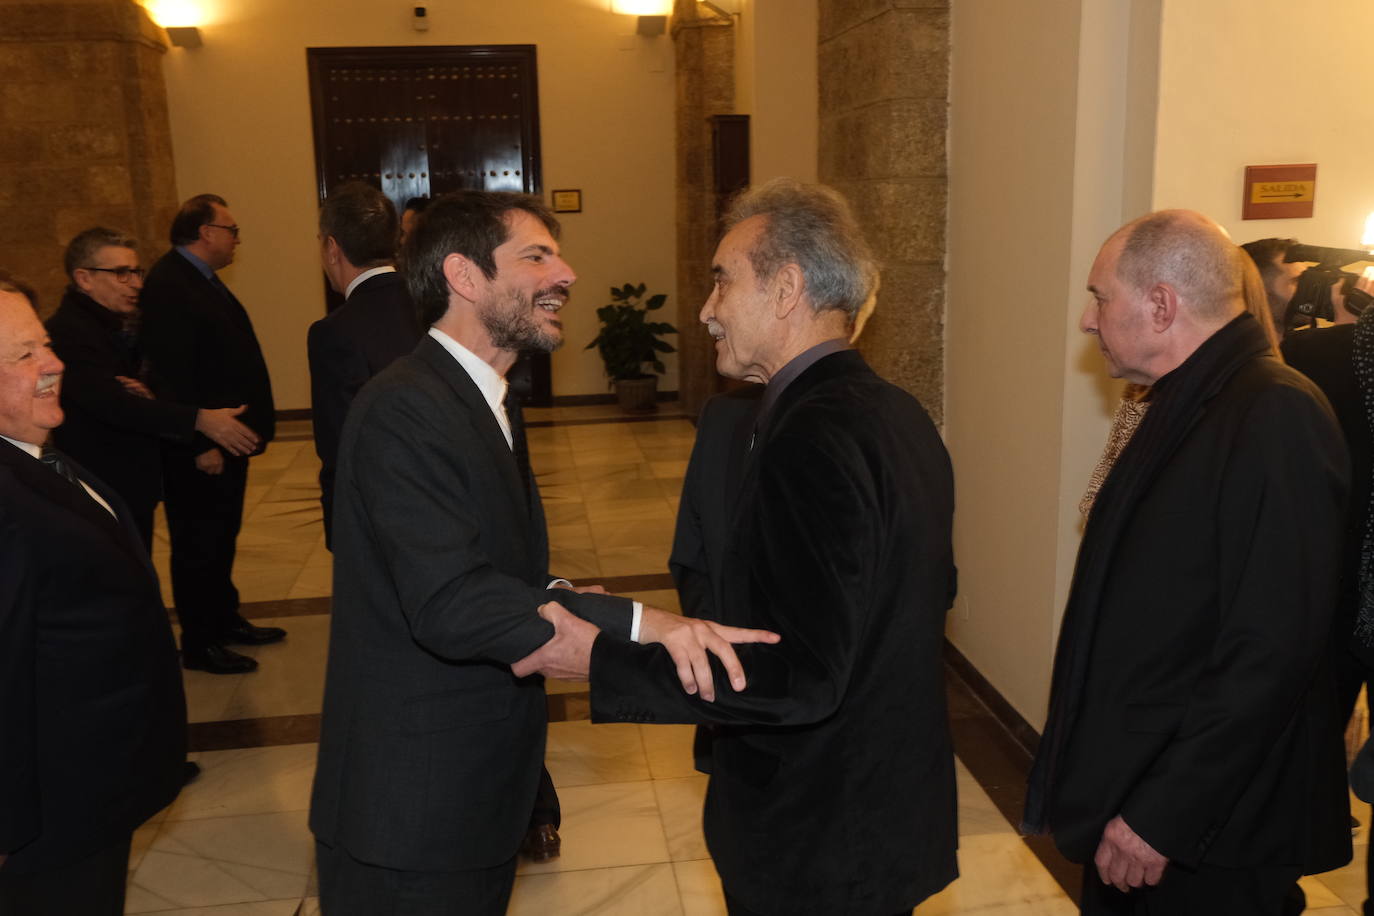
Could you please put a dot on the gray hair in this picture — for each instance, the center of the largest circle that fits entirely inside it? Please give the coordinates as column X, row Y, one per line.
column 81, row 250
column 810, row 226
column 1188, row 252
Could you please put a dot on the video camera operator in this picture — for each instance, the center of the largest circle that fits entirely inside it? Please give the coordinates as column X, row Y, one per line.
column 1316, row 307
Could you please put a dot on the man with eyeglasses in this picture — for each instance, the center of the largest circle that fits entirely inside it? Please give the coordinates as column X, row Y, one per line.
column 114, row 426
column 201, row 349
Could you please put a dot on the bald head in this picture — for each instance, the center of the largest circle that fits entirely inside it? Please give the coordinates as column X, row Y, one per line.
column 1188, row 252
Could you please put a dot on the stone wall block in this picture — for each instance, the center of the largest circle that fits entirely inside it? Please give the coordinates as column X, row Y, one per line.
column 903, row 138
column 903, row 220
column 80, row 142
column 904, row 339
column 902, row 54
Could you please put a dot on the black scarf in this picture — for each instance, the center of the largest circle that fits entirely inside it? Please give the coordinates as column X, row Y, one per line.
column 1177, row 400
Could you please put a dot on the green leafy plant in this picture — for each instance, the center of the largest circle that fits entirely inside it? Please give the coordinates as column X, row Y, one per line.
column 628, row 340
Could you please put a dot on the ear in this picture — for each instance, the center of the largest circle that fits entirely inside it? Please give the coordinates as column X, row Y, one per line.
column 786, row 290
column 82, row 278
column 1164, row 307
column 461, row 274
column 333, row 254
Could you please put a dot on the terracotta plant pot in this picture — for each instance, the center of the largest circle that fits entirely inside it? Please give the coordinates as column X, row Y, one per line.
column 637, row 395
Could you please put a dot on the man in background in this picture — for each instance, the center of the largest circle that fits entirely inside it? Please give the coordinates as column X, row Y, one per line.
column 200, row 344
column 376, row 324
column 114, row 426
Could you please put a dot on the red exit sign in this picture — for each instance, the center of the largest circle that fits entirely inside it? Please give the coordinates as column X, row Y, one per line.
column 1279, row 191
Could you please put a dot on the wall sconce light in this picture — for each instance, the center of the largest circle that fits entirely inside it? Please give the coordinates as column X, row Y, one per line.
column 185, row 36
column 653, row 14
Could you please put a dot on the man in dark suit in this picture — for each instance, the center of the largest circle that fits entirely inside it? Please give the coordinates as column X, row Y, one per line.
column 114, row 426
column 375, row 325
column 92, row 724
column 201, row 349
column 1192, row 758
column 430, row 745
column 820, row 509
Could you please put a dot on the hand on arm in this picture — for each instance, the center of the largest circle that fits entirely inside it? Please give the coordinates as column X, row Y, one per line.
column 1124, row 860
column 210, row 462
column 134, row 386
column 220, row 425
column 568, row 655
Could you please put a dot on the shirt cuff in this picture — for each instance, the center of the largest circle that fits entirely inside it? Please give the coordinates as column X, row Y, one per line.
column 634, row 621
column 559, row 583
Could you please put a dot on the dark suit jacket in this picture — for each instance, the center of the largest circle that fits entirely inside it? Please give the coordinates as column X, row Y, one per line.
column 201, row 348
column 347, row 347
column 93, row 721
column 430, row 749
column 1208, row 716
column 116, row 434
column 832, row 787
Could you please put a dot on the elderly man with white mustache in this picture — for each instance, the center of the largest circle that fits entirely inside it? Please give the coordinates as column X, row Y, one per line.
column 92, row 726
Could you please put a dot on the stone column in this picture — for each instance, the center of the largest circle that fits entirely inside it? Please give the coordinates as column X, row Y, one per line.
column 84, row 134
column 705, row 51
column 884, row 81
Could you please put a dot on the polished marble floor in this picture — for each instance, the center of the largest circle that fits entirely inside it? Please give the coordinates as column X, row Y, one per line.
column 236, row 842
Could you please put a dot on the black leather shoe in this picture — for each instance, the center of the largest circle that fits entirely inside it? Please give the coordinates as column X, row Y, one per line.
column 190, row 772
column 541, row 843
column 218, row 660
column 244, row 633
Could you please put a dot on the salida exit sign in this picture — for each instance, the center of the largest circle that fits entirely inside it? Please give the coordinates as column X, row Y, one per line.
column 1279, row 191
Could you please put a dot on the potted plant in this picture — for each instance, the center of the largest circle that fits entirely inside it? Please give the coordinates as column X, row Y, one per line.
column 629, row 343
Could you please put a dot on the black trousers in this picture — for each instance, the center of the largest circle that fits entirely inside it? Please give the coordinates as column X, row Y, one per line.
column 546, row 807
column 1205, row 891
column 204, row 513
column 93, row 886
column 1351, row 675
column 352, row 888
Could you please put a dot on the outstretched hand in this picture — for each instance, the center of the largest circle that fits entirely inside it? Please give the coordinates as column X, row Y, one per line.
column 1124, row 860
column 689, row 639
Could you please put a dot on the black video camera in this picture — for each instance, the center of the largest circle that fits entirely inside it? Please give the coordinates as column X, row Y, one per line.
column 1312, row 300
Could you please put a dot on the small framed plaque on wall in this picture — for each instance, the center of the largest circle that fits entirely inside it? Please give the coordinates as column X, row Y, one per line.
column 567, row 201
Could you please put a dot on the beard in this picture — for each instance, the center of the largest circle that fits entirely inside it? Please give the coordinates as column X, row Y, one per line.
column 511, row 323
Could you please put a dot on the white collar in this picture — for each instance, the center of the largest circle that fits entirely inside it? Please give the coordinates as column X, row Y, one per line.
column 491, row 383
column 34, row 450
column 366, row 275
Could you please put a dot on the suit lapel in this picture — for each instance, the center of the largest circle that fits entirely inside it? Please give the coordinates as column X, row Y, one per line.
column 42, row 479
column 488, row 430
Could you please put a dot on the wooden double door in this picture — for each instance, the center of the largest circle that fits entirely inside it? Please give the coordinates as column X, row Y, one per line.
column 422, row 121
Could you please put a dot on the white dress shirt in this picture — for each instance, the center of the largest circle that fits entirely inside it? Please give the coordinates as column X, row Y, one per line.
column 36, row 451
column 366, row 275
column 492, row 384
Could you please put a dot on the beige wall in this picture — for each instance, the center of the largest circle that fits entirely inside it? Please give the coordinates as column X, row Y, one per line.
column 1256, row 82
column 240, row 117
column 1027, row 407
column 775, row 84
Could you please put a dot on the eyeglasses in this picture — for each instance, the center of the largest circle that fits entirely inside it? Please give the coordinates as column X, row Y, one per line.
column 122, row 274
column 232, row 230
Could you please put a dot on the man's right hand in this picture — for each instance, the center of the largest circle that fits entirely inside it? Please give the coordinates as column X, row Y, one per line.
column 210, row 462
column 218, row 424
column 689, row 639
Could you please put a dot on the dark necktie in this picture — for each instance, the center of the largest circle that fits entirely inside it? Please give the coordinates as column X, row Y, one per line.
column 519, row 445
column 57, row 462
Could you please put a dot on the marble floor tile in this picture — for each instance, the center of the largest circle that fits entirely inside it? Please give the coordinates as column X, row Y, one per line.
column 580, row 753
column 978, row 814
column 575, row 564
column 265, row 857
column 606, row 826
column 1347, row 883
column 208, row 695
column 1319, row 895
column 699, row 888
column 610, row 491
column 265, row 584
column 553, row 686
column 260, row 908
column 670, row 469
column 142, row 840
column 290, row 676
column 679, row 805
column 565, row 513
column 616, row 512
column 633, row 561
column 607, row 456
column 313, row 582
column 666, row 599
column 998, row 872
column 615, row 472
column 645, row 890
column 560, row 493
column 640, row 533
column 669, row 750
column 259, row 780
